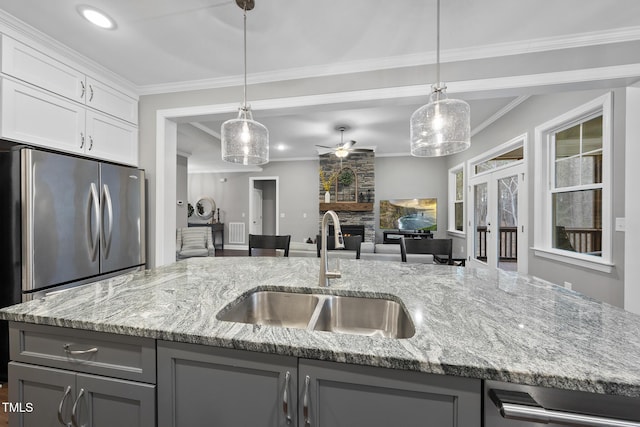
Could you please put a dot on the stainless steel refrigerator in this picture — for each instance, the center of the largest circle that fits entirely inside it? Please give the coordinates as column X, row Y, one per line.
column 65, row 221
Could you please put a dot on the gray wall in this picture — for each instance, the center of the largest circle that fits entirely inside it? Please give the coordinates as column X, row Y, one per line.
column 181, row 191
column 523, row 119
column 396, row 177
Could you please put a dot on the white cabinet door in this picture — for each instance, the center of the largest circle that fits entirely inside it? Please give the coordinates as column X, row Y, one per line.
column 111, row 139
column 31, row 65
column 37, row 117
column 105, row 98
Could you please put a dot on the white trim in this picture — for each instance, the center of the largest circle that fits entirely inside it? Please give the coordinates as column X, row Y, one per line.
column 451, row 220
column 593, row 262
column 543, row 170
column 632, row 202
column 499, row 114
column 252, row 180
column 518, row 141
column 618, row 35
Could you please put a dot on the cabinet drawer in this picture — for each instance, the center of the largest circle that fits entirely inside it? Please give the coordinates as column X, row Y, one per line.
column 101, row 353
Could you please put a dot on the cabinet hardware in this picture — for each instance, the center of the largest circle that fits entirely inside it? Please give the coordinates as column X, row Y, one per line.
column 285, row 398
column 67, row 349
column 81, row 140
column 74, row 410
column 521, row 406
column 91, row 93
column 83, row 89
column 64, row 398
column 305, row 402
column 90, row 143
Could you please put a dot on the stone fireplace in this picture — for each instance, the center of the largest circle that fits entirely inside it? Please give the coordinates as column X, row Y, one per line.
column 352, row 199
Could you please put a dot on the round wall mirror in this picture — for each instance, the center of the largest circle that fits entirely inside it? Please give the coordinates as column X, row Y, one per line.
column 205, row 206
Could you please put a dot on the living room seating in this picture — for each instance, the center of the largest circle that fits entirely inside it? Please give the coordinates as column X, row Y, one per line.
column 351, row 243
column 194, row 242
column 434, row 247
column 264, row 241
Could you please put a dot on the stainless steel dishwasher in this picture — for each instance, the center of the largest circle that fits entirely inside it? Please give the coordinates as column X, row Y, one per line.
column 512, row 405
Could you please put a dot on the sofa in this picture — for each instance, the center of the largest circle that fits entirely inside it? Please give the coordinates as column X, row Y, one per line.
column 368, row 251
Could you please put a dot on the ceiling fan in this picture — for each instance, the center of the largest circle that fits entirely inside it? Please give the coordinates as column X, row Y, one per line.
column 343, row 149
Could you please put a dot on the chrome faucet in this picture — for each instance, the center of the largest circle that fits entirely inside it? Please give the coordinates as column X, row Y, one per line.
column 325, row 274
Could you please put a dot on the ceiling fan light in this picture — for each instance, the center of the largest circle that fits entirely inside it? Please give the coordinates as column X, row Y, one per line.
column 440, row 128
column 341, row 153
column 245, row 141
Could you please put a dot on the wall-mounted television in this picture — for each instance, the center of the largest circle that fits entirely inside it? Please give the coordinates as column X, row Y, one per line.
column 408, row 214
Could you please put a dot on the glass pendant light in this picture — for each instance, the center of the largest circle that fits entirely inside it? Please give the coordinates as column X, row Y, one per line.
column 441, row 127
column 245, row 141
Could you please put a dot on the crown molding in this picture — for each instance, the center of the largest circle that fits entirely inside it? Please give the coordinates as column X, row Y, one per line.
column 25, row 33
column 500, row 113
column 618, row 35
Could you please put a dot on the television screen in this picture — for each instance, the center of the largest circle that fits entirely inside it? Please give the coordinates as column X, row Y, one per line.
column 408, row 214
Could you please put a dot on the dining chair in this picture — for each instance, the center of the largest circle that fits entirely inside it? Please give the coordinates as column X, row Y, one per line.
column 265, row 241
column 439, row 248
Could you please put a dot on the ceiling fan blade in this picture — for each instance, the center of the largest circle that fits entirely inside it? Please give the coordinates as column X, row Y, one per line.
column 348, row 144
column 324, row 146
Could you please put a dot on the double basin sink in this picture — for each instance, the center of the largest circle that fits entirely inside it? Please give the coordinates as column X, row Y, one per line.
column 381, row 317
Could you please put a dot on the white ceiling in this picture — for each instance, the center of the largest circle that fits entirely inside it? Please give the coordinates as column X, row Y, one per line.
column 164, row 45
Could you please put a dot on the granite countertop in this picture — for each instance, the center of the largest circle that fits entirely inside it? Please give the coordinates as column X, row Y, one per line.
column 469, row 322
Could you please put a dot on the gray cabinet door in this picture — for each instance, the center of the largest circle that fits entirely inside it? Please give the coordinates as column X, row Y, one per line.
column 108, row 402
column 47, row 397
column 40, row 392
column 209, row 386
column 342, row 395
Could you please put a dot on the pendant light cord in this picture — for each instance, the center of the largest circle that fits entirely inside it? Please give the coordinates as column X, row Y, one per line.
column 244, row 100
column 438, row 45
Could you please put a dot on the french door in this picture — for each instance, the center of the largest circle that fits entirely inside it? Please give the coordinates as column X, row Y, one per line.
column 497, row 219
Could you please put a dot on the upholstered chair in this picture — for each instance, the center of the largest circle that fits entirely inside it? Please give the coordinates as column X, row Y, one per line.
column 194, row 242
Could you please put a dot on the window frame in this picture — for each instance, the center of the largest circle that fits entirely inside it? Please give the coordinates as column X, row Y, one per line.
column 544, row 186
column 451, row 223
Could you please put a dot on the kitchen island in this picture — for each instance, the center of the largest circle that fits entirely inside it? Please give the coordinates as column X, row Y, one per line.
column 469, row 323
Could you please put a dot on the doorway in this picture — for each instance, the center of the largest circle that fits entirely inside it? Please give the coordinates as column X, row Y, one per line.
column 497, row 212
column 264, row 205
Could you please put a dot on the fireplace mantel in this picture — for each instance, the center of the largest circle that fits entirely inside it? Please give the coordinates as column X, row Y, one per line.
column 347, row 206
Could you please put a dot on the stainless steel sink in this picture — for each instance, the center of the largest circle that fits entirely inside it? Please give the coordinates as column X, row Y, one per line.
column 332, row 313
column 286, row 309
column 364, row 316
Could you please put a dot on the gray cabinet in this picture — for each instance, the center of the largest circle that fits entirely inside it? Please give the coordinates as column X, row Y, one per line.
column 70, row 377
column 200, row 385
column 50, row 396
column 341, row 395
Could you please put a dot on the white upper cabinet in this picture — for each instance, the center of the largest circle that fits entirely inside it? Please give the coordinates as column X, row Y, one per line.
column 32, row 66
column 49, row 103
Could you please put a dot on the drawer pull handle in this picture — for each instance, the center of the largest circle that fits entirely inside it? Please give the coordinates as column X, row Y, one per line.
column 60, row 417
column 83, row 89
column 285, row 397
column 74, row 411
column 521, row 406
column 305, row 403
column 67, row 348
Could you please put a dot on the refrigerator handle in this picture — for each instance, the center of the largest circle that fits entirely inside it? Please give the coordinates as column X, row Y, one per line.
column 92, row 238
column 106, row 234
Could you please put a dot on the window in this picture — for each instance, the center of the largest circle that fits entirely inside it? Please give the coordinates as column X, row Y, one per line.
column 456, row 199
column 573, row 221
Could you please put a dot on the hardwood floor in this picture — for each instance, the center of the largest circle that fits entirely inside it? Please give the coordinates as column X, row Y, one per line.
column 4, row 397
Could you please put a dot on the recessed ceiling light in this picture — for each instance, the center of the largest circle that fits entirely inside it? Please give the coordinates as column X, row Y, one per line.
column 96, row 17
